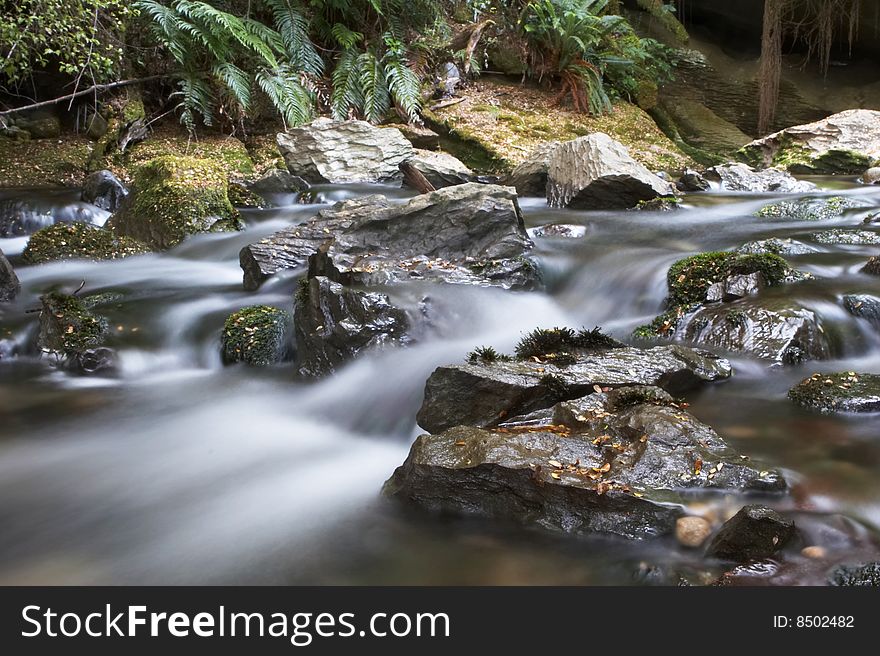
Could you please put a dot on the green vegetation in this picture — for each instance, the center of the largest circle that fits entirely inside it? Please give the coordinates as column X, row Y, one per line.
column 255, row 335
column 486, row 355
column 67, row 326
column 561, row 343
column 65, row 241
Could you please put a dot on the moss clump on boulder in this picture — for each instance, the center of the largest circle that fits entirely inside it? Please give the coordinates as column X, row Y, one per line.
column 66, row 241
column 809, row 209
column 840, row 392
column 174, row 197
column 689, row 279
column 256, row 335
column 559, row 344
column 67, row 326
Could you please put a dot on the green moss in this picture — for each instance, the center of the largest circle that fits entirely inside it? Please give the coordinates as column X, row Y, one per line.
column 255, row 335
column 65, row 241
column 241, row 196
column 557, row 345
column 625, row 397
column 664, row 14
column 809, row 209
column 795, row 157
column 44, row 162
column 173, row 197
column 302, row 291
column 67, row 326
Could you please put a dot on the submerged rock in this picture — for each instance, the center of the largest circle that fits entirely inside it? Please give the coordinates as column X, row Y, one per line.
column 847, row 142
column 863, row 306
column 776, row 246
column 754, row 533
column 597, row 172
column 559, row 230
column 595, row 464
column 692, row 531
column 328, row 151
column 173, row 197
column 334, row 324
column 740, row 177
column 862, row 575
column 103, row 189
column 258, row 335
column 810, row 209
column 530, row 177
column 780, row 331
column 66, row 241
column 67, row 327
column 841, row 392
column 484, row 394
column 9, row 283
column 278, row 181
column 469, row 233
column 100, row 360
column 872, row 266
column 847, row 237
column 441, row 169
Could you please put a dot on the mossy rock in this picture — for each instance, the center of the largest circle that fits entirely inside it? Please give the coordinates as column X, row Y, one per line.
column 839, row 392
column 689, row 279
column 809, row 209
column 67, row 326
column 241, row 196
column 795, row 157
column 67, row 241
column 847, row 237
column 173, row 197
column 257, row 335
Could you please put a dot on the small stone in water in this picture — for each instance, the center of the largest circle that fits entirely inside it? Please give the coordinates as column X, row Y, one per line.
column 692, row 531
column 814, row 551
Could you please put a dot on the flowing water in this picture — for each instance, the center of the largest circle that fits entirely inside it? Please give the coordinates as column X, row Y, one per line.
column 179, row 470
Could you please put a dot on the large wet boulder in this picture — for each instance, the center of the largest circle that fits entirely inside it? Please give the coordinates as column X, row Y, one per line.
column 103, row 189
column 741, row 177
column 441, row 169
column 68, row 328
column 9, row 283
column 68, row 241
column 754, row 533
column 173, row 197
column 841, row 392
column 778, row 330
column 864, row 306
column 847, row 142
column 344, row 151
column 597, row 172
column 811, row 209
column 529, row 178
column 620, row 462
column 258, row 335
column 484, row 393
column 470, row 233
column 334, row 324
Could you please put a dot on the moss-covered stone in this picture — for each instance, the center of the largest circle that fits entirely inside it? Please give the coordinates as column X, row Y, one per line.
column 839, row 392
column 44, row 162
column 256, row 335
column 847, row 237
column 241, row 196
column 173, row 197
column 792, row 155
column 65, row 241
column 689, row 279
column 809, row 209
column 67, row 326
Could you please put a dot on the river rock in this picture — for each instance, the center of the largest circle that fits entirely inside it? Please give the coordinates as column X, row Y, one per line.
column 740, row 177
column 173, row 197
column 9, row 283
column 482, row 394
column 103, row 189
column 692, row 181
column 530, row 177
column 736, row 287
column 871, row 176
column 100, row 360
column 258, row 335
column 278, row 181
column 601, row 464
column 67, row 241
column 872, row 266
column 441, row 169
column 862, row 575
column 776, row 246
column 692, row 531
column 328, row 151
column 334, row 324
column 811, row 209
column 559, row 230
column 470, row 233
column 754, row 533
column 780, row 331
column 863, row 306
column 597, row 172
column 67, row 327
column 841, row 392
column 847, row 142
column 847, row 237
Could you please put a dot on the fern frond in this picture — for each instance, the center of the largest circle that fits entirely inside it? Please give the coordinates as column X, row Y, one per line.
column 376, row 99
column 405, row 88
